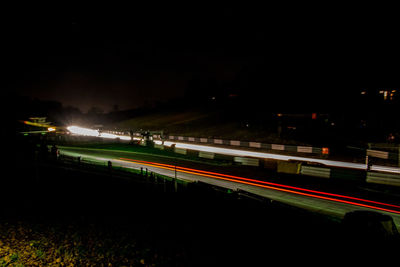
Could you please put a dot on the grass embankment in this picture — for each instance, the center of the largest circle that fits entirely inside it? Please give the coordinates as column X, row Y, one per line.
column 197, row 123
column 167, row 152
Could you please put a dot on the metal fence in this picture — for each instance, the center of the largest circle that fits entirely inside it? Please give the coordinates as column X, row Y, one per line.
column 323, row 151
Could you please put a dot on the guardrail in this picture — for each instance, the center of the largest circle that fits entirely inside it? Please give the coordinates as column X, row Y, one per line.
column 320, row 151
column 246, row 161
column 383, row 178
column 316, row 171
column 324, row 151
column 107, row 167
column 303, row 168
column 351, row 175
column 391, row 156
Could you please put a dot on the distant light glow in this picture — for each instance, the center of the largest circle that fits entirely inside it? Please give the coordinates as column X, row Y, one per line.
column 114, row 136
column 51, row 129
column 90, row 132
column 44, row 125
column 107, row 135
column 83, row 131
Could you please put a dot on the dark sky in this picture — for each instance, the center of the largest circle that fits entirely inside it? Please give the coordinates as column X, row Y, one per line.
column 88, row 56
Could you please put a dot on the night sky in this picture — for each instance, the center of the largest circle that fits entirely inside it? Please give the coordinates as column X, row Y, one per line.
column 87, row 56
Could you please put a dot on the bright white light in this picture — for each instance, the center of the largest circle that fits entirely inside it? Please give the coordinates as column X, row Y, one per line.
column 90, row 132
column 245, row 153
column 385, row 169
column 83, row 131
column 236, row 152
column 114, row 136
column 107, row 135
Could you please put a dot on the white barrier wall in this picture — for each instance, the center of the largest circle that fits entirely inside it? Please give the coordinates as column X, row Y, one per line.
column 304, row 149
column 383, row 178
column 247, row 161
column 180, row 150
column 255, row 144
column 378, row 154
column 235, row 143
column 278, row 147
column 238, row 143
column 207, row 155
column 316, row 171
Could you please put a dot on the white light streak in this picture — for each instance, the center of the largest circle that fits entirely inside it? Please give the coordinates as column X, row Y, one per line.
column 90, row 132
column 246, row 153
column 127, row 138
column 107, row 135
column 385, row 169
column 82, row 131
column 236, row 152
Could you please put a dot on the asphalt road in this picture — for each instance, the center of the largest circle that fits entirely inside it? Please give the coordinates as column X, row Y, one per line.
column 320, row 202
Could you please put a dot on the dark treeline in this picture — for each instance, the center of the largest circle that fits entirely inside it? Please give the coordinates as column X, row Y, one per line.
column 360, row 114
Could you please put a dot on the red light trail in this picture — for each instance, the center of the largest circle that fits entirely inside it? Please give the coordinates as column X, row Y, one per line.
column 274, row 186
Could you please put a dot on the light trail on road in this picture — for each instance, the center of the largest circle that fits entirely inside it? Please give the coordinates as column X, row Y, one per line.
column 315, row 201
column 247, row 153
column 274, row 186
column 236, row 152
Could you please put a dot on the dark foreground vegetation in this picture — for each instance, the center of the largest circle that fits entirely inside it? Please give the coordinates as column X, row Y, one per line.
column 72, row 217
column 59, row 214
